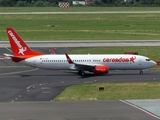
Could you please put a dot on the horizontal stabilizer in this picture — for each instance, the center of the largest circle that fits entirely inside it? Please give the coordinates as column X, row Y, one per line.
column 7, row 55
column 14, row 58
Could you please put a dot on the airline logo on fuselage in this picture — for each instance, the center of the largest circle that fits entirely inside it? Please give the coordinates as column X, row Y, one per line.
column 121, row 59
column 21, row 49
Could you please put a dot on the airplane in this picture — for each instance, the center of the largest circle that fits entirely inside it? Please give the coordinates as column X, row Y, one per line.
column 96, row 63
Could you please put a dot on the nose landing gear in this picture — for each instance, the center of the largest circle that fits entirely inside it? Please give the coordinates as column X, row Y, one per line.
column 141, row 72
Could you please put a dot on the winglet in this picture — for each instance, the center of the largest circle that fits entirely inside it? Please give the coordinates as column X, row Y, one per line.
column 52, row 52
column 69, row 59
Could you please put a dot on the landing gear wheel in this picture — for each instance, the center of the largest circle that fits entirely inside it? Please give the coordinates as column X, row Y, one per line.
column 83, row 73
column 141, row 72
column 80, row 72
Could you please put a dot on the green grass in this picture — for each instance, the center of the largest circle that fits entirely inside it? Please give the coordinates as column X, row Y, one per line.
column 73, row 9
column 83, row 27
column 112, row 91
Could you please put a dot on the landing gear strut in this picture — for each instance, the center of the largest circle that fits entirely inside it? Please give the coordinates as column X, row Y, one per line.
column 141, row 72
column 81, row 72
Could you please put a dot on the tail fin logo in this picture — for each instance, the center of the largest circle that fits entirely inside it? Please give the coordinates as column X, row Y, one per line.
column 21, row 49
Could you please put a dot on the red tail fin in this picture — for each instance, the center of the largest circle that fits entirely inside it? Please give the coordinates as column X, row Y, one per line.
column 19, row 48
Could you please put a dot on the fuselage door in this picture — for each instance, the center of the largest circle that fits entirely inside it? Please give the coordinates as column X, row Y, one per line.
column 140, row 62
column 34, row 62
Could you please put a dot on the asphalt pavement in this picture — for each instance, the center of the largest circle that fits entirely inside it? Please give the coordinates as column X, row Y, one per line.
column 85, row 43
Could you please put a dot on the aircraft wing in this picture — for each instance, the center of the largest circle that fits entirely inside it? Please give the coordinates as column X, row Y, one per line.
column 81, row 66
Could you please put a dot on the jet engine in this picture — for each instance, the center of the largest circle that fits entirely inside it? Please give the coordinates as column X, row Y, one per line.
column 101, row 69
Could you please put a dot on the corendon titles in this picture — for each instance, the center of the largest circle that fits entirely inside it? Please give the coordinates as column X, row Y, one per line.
column 121, row 59
column 15, row 39
column 21, row 49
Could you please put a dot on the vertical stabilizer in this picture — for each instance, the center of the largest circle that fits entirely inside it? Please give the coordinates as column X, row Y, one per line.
column 18, row 46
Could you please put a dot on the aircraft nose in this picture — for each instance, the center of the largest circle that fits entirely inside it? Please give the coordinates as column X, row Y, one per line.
column 154, row 63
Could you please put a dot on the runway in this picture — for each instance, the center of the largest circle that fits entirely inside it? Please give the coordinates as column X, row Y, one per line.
column 28, row 93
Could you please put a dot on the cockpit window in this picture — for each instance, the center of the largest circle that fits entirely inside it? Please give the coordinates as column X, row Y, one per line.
column 147, row 59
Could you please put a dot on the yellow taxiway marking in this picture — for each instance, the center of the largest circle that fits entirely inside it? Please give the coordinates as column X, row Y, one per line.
column 8, row 49
column 13, row 66
column 11, row 73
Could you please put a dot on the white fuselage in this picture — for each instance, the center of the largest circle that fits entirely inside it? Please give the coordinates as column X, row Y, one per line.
column 114, row 62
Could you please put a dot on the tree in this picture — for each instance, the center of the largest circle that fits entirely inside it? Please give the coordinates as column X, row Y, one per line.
column 7, row 2
column 157, row 2
column 22, row 3
column 146, row 2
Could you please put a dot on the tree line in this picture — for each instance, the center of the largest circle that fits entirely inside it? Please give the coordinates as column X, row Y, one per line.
column 50, row 3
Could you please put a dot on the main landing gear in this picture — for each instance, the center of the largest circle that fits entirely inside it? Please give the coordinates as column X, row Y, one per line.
column 141, row 72
column 81, row 72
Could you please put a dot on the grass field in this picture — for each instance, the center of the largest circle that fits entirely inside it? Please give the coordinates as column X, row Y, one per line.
column 83, row 27
column 75, row 9
column 112, row 91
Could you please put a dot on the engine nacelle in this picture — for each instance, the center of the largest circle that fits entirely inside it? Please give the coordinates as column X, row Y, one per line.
column 101, row 70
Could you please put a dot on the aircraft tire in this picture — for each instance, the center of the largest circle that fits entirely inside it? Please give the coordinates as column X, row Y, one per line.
column 83, row 73
column 141, row 72
column 79, row 72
